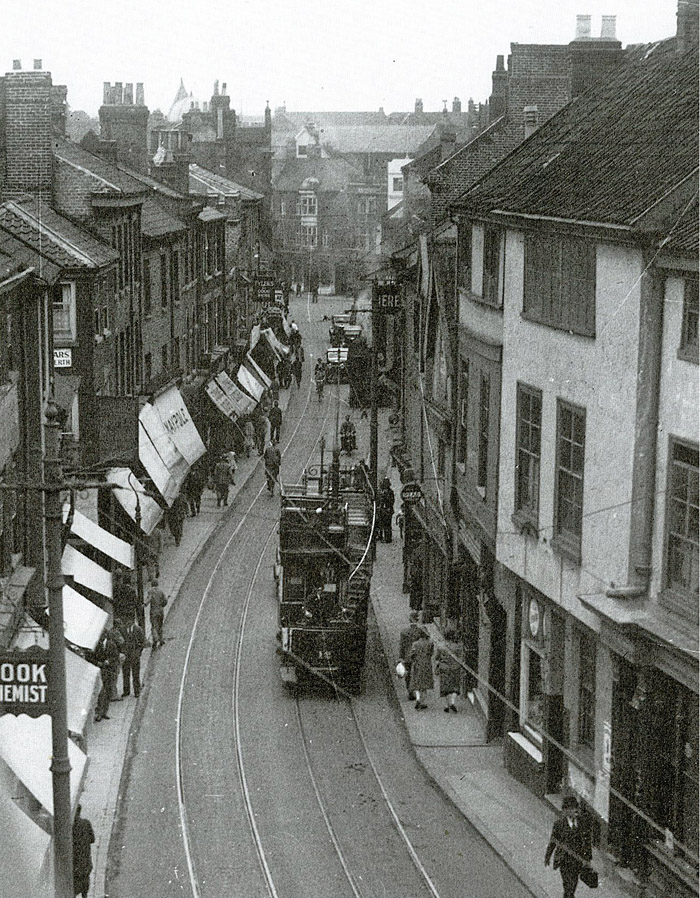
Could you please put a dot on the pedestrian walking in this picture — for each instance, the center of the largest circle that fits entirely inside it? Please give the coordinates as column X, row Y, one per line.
column 449, row 670
column 261, row 432
column 232, row 462
column 272, row 460
column 193, row 487
column 297, row 370
column 421, row 658
column 175, row 516
column 386, row 510
column 406, row 639
column 156, row 600
column 222, row 480
column 275, row 388
column 570, row 843
column 400, row 521
column 108, row 659
column 83, row 837
column 275, row 418
column 134, row 641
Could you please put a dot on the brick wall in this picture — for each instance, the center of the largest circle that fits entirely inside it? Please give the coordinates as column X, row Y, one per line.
column 539, row 75
column 28, row 139
column 127, row 126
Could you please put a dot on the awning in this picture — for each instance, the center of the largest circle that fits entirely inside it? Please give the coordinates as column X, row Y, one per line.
column 249, row 383
column 99, row 538
column 221, row 400
column 125, row 484
column 159, row 455
column 264, row 356
column 25, row 746
column 256, row 370
column 280, row 350
column 218, row 352
column 83, row 680
column 241, row 401
column 83, row 620
column 86, row 571
column 179, row 424
column 25, row 860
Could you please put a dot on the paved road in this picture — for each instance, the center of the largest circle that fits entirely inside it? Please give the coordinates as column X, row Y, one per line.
column 220, row 799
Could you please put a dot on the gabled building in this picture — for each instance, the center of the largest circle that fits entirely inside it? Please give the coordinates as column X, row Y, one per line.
column 588, row 287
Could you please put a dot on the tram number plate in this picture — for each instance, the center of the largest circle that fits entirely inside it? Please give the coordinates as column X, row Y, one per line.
column 324, row 655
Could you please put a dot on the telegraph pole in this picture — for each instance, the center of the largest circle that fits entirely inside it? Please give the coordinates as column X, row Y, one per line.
column 60, row 765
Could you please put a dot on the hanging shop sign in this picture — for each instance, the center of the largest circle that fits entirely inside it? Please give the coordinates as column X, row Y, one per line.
column 411, row 493
column 264, row 289
column 386, row 298
column 24, row 682
column 63, row 358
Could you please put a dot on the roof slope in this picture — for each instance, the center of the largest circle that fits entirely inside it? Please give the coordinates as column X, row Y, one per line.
column 401, row 140
column 331, row 174
column 608, row 155
column 53, row 237
column 156, row 221
column 113, row 179
column 204, row 182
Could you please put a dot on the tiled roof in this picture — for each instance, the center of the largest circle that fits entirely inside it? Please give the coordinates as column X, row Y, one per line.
column 205, row 182
column 332, row 174
column 16, row 257
column 292, row 121
column 610, row 154
column 401, row 140
column 684, row 233
column 113, row 178
column 156, row 222
column 148, row 181
column 53, row 237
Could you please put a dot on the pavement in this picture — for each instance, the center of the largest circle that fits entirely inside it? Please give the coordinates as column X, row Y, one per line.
column 452, row 748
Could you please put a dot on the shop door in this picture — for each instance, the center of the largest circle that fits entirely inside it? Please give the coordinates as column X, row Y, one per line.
column 497, row 670
column 622, row 837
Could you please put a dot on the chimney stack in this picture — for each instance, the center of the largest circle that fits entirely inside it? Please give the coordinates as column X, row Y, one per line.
column 16, row 65
column 37, row 65
column 607, row 28
column 456, row 105
column 499, row 90
column 126, row 123
column 583, row 27
column 172, row 154
column 419, row 107
column 29, row 108
column 686, row 25
column 140, row 99
column 530, row 120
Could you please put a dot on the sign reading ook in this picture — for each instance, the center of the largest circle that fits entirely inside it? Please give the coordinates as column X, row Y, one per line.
column 24, row 686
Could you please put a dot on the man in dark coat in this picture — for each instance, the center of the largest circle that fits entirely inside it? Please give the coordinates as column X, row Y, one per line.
column 83, row 837
column 272, row 460
column 157, row 600
column 386, row 510
column 570, row 843
column 222, row 481
column 108, row 659
column 124, row 599
column 421, row 658
column 275, row 417
column 176, row 515
column 134, row 640
column 406, row 639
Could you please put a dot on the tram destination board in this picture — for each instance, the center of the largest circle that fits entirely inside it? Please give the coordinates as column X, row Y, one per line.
column 386, row 299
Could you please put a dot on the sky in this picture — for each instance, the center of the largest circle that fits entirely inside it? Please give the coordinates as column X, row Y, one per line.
column 314, row 55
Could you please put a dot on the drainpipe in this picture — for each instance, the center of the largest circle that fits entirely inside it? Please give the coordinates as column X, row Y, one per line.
column 651, row 303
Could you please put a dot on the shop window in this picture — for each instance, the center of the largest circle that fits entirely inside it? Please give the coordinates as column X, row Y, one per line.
column 586, row 691
column 560, row 282
column 64, row 312
column 483, row 459
column 688, row 349
column 527, row 453
column 682, row 571
column 534, row 710
column 568, row 515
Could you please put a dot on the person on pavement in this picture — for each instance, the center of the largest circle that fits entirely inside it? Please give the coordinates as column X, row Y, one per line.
column 386, row 510
column 83, row 837
column 194, row 485
column 406, row 639
column 449, row 670
column 275, row 417
column 108, row 659
column 297, row 370
column 176, row 515
column 134, row 641
column 249, row 437
column 156, row 600
column 421, row 658
column 570, row 843
column 222, row 481
column 272, row 460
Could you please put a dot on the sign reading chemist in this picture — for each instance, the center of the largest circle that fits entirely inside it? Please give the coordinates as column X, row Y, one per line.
column 24, row 685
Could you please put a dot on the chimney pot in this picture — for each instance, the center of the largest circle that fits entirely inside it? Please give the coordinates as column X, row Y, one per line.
column 16, row 65
column 583, row 27
column 223, row 88
column 37, row 65
column 607, row 27
column 216, row 88
column 128, row 94
column 499, row 64
column 140, row 100
column 456, row 105
column 106, row 88
column 118, row 93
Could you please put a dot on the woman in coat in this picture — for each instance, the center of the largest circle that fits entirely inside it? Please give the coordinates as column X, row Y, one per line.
column 449, row 670
column 421, row 658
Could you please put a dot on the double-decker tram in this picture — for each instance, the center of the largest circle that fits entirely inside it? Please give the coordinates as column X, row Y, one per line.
column 323, row 575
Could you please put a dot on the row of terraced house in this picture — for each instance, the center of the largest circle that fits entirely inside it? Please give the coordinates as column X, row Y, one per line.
column 126, row 270
column 546, row 372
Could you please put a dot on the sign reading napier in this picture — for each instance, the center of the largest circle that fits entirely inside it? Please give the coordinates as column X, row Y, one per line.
column 179, row 425
column 24, row 684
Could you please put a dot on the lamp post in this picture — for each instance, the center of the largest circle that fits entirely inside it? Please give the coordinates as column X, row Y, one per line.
column 60, row 764
column 137, row 557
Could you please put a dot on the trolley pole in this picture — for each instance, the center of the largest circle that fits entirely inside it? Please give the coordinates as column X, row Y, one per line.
column 373, row 417
column 60, row 765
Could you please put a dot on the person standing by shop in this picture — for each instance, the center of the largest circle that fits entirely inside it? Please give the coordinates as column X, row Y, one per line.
column 108, row 659
column 449, row 671
column 386, row 510
column 156, row 600
column 176, row 515
column 222, row 481
column 134, row 641
column 83, row 837
column 406, row 639
column 272, row 460
column 275, row 417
